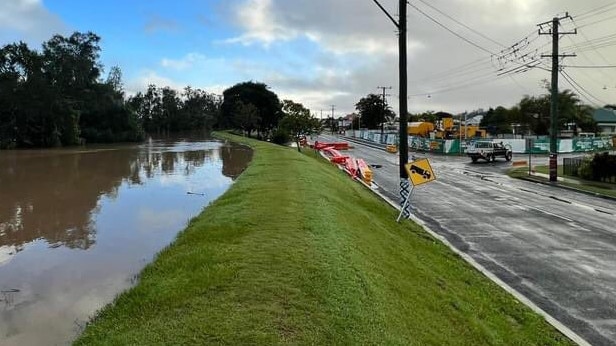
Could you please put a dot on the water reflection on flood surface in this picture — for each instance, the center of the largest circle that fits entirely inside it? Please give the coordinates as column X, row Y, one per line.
column 77, row 225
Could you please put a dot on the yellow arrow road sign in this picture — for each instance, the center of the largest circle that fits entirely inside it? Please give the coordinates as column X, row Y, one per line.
column 420, row 172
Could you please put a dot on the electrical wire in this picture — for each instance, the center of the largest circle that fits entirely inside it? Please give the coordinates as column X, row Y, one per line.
column 590, row 66
column 596, row 22
column 449, row 30
column 572, row 85
column 602, row 8
column 461, row 24
column 572, row 81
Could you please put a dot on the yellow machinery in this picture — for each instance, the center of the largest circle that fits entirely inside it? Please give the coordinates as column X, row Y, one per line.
column 444, row 129
column 472, row 131
column 392, row 148
column 420, row 128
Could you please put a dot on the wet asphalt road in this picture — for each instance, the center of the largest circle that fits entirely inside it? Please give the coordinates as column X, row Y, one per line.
column 557, row 247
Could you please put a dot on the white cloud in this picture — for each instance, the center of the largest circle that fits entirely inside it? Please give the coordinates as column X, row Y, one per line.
column 323, row 52
column 267, row 22
column 184, row 63
column 260, row 23
column 28, row 20
column 147, row 77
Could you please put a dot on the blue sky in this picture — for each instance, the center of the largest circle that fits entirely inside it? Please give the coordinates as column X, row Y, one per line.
column 329, row 52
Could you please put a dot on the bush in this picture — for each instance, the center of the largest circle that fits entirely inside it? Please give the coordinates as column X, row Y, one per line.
column 585, row 169
column 601, row 167
column 281, row 137
column 604, row 167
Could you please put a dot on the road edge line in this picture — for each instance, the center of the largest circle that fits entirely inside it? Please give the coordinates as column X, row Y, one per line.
column 519, row 296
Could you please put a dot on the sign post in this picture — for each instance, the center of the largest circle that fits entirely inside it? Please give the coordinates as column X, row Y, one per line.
column 530, row 143
column 419, row 172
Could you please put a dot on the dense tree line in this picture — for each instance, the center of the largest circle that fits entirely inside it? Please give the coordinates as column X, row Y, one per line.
column 532, row 114
column 55, row 97
column 165, row 110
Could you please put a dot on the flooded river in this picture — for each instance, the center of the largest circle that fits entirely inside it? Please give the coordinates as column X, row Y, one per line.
column 77, row 225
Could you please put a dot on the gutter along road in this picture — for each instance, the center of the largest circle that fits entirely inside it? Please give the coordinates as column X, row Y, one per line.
column 555, row 246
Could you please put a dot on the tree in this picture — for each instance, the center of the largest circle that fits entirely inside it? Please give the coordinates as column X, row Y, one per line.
column 114, row 80
column 536, row 112
column 373, row 111
column 497, row 121
column 245, row 117
column 55, row 98
column 200, row 109
column 265, row 101
column 71, row 64
column 298, row 121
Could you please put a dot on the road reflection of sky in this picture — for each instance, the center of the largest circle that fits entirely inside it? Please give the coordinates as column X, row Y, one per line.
column 52, row 282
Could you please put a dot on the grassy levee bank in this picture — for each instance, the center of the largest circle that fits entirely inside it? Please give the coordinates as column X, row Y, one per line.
column 297, row 253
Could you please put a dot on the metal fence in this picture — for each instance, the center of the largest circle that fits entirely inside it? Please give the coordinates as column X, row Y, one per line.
column 571, row 165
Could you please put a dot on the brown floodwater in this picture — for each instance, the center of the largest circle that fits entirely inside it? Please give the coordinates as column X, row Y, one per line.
column 77, row 225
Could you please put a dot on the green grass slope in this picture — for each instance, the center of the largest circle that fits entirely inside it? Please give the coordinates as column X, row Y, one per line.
column 297, row 253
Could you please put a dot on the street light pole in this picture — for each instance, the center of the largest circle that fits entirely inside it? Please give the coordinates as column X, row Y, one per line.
column 384, row 108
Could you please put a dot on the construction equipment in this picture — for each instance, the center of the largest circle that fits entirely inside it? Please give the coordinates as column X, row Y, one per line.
column 420, row 128
column 444, row 128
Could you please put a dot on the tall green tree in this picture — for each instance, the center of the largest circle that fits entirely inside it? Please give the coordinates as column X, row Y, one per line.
column 245, row 117
column 264, row 100
column 54, row 97
column 200, row 109
column 373, row 111
column 298, row 122
column 497, row 121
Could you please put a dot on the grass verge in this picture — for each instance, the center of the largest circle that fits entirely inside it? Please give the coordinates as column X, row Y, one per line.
column 595, row 187
column 297, row 253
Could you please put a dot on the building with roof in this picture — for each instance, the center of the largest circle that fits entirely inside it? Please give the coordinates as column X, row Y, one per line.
column 606, row 121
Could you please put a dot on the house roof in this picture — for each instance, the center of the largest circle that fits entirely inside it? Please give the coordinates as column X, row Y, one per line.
column 604, row 115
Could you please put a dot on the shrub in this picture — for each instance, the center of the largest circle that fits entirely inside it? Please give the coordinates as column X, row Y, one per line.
column 585, row 169
column 281, row 137
column 601, row 167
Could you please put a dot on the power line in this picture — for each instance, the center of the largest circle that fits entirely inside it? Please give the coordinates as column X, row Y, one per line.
column 586, row 38
column 596, row 22
column 461, row 24
column 598, row 74
column 446, row 28
column 577, row 87
column 598, row 9
column 589, row 66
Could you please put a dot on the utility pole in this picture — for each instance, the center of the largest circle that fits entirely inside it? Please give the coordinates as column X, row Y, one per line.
column 546, row 29
column 403, row 138
column 331, row 123
column 384, row 108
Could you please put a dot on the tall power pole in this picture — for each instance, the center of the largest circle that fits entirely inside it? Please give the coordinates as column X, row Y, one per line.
column 384, row 108
column 403, row 139
column 331, row 123
column 551, row 28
